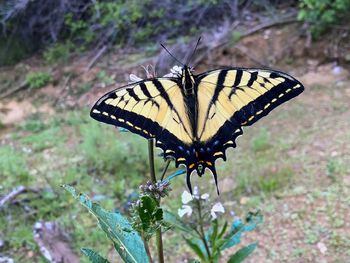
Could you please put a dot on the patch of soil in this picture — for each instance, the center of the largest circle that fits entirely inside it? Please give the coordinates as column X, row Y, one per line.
column 13, row 112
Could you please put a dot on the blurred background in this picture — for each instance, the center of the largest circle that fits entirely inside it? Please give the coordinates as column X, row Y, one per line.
column 58, row 57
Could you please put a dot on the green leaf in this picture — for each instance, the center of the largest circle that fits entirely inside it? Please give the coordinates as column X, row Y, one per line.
column 93, row 256
column 213, row 232
column 242, row 254
column 175, row 221
column 197, row 249
column 223, row 230
column 127, row 241
column 149, row 212
column 234, row 237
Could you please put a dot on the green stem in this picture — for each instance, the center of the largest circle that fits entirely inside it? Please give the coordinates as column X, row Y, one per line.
column 154, row 180
column 201, row 229
column 147, row 248
column 168, row 161
column 151, row 160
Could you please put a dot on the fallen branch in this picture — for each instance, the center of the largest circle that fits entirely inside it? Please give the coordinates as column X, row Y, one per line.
column 10, row 92
column 96, row 57
column 54, row 243
column 14, row 193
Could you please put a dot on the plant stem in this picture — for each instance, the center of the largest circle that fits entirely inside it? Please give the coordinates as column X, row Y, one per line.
column 202, row 230
column 168, row 161
column 160, row 245
column 154, row 180
column 151, row 160
column 145, row 243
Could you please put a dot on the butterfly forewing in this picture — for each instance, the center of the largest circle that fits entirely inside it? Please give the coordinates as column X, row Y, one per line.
column 152, row 108
column 231, row 98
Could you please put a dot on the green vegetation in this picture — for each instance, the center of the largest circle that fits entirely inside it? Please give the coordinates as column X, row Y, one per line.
column 12, row 50
column 13, row 165
column 266, row 182
column 105, row 153
column 103, row 77
column 40, row 141
column 59, row 52
column 64, row 149
column 38, row 79
column 324, row 14
column 261, row 141
column 99, row 23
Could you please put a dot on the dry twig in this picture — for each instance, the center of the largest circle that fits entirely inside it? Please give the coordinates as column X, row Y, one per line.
column 54, row 243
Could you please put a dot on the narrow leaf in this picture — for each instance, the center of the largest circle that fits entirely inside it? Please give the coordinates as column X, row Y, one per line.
column 175, row 221
column 242, row 254
column 213, row 232
column 223, row 230
column 197, row 249
column 127, row 241
column 238, row 228
column 93, row 256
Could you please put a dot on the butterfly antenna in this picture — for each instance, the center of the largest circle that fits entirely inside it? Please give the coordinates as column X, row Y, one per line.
column 194, row 51
column 171, row 54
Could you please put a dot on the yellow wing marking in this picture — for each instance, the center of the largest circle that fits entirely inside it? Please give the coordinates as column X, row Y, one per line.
column 213, row 114
column 153, row 107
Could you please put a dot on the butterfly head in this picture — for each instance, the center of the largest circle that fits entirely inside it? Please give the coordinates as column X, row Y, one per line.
column 187, row 80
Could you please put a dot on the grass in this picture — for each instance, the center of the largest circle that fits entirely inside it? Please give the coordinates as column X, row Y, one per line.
column 73, row 149
column 13, row 167
column 261, row 141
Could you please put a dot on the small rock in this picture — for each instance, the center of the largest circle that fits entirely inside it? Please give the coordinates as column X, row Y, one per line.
column 244, row 200
column 334, row 153
column 227, row 185
column 346, row 180
column 4, row 259
column 337, row 70
column 347, row 57
column 322, row 247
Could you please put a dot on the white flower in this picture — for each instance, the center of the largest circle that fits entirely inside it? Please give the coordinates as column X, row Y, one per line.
column 133, row 78
column 205, row 196
column 185, row 210
column 174, row 72
column 217, row 208
column 186, row 197
column 196, row 192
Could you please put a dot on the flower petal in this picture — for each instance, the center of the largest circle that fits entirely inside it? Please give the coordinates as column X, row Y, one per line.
column 205, row 196
column 133, row 78
column 196, row 192
column 213, row 215
column 218, row 207
column 186, row 197
column 185, row 210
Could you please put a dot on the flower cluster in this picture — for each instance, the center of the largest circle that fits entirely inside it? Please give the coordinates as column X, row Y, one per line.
column 159, row 189
column 150, row 73
column 198, row 200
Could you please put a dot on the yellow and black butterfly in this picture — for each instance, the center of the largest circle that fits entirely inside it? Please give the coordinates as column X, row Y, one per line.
column 195, row 118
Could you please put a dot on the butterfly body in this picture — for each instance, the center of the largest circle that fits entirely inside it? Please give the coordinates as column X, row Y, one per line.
column 195, row 118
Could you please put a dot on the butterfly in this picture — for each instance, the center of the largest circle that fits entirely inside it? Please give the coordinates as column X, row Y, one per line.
column 195, row 118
